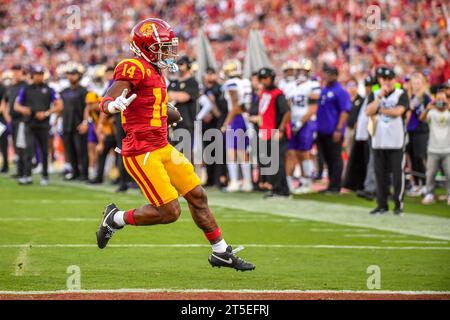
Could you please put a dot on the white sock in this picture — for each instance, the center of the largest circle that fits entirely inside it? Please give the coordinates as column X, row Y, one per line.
column 246, row 172
column 118, row 218
column 308, row 168
column 220, row 246
column 233, row 171
column 290, row 182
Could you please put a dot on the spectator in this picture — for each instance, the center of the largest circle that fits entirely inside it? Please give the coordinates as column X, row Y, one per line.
column 332, row 114
column 37, row 101
column 388, row 105
column 75, row 138
column 274, row 113
column 437, row 114
column 417, row 133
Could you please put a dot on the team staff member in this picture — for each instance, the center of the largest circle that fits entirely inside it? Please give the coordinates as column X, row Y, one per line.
column 16, row 118
column 359, row 154
column 75, row 139
column 332, row 114
column 213, row 90
column 37, row 101
column 387, row 107
column 184, row 93
column 274, row 112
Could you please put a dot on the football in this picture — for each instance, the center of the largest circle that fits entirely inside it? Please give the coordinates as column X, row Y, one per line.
column 173, row 115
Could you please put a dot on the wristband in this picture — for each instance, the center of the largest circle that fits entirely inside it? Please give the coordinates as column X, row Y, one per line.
column 103, row 102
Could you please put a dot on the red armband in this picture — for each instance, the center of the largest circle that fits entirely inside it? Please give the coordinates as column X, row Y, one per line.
column 103, row 102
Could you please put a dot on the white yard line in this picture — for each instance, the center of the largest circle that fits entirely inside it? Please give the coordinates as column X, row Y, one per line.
column 337, row 230
column 251, row 245
column 369, row 235
column 240, row 220
column 415, row 241
column 158, row 290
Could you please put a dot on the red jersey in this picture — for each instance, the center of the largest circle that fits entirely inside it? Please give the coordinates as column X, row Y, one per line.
column 145, row 119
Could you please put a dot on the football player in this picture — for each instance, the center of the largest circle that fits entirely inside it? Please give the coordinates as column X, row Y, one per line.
column 291, row 69
column 238, row 94
column 139, row 93
column 303, row 100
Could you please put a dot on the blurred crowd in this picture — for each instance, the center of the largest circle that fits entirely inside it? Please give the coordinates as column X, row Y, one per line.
column 335, row 73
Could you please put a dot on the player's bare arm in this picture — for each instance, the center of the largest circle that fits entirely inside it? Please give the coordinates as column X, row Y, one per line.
column 116, row 99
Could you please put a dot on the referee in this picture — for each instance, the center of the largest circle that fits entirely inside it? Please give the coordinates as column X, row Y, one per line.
column 387, row 108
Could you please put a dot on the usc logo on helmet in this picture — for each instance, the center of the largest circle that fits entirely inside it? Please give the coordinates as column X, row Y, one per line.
column 147, row 29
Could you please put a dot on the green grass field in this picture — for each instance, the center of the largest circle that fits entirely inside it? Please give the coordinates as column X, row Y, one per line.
column 309, row 243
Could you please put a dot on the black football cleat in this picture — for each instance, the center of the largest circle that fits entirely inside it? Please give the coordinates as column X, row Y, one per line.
column 398, row 212
column 108, row 226
column 228, row 259
column 378, row 211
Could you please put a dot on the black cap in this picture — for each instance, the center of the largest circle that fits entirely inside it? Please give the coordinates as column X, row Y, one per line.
column 210, row 70
column 330, row 69
column 16, row 67
column 265, row 73
column 385, row 72
column 368, row 81
column 184, row 60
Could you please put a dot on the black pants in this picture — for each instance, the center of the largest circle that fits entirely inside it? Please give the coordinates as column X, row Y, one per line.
column 109, row 144
column 417, row 149
column 4, row 149
column 332, row 155
column 278, row 179
column 20, row 152
column 357, row 165
column 77, row 151
column 36, row 135
column 124, row 178
column 387, row 162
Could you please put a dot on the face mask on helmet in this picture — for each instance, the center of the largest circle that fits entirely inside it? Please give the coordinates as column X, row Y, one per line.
column 167, row 54
column 440, row 104
column 303, row 75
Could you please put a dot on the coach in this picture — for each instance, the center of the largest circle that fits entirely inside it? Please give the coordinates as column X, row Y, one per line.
column 387, row 107
column 75, row 142
column 36, row 102
column 332, row 113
